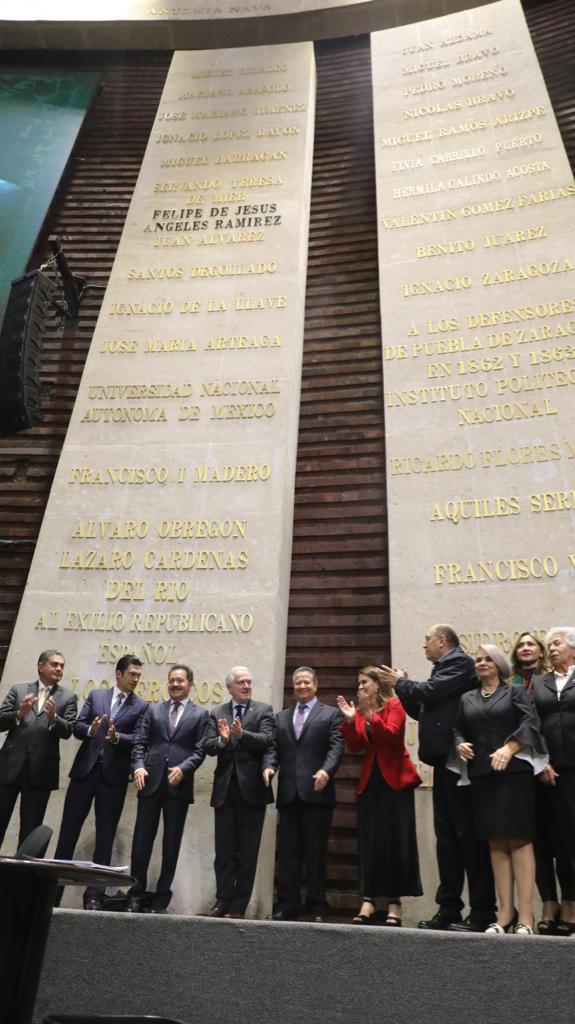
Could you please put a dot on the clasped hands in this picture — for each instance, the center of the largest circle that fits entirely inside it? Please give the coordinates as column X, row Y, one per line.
column 500, row 758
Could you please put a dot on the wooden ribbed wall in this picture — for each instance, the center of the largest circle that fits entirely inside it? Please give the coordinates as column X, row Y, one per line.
column 88, row 215
column 339, row 591
column 339, row 606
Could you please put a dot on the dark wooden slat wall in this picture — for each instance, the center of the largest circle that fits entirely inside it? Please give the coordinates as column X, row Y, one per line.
column 339, row 605
column 339, row 591
column 88, row 215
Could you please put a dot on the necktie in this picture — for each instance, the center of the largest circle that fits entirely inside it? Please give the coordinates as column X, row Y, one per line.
column 174, row 714
column 42, row 694
column 300, row 719
column 239, row 711
column 119, row 700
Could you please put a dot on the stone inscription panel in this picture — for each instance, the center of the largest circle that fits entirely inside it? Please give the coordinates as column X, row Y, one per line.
column 146, row 10
column 168, row 529
column 476, row 254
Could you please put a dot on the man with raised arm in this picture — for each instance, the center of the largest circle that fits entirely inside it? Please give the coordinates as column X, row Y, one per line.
column 434, row 704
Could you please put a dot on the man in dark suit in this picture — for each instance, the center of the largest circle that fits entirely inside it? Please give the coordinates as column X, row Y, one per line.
column 168, row 748
column 239, row 733
column 101, row 769
column 37, row 716
column 434, row 704
column 307, row 749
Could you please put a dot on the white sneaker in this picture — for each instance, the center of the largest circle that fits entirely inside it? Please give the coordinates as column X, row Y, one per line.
column 523, row 929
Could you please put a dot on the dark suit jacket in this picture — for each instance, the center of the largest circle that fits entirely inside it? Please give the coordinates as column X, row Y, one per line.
column 557, row 718
column 321, row 745
column 489, row 722
column 434, row 703
column 32, row 740
column 115, row 756
column 156, row 748
column 244, row 755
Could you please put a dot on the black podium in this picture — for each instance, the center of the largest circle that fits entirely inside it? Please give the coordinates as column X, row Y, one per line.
column 27, row 890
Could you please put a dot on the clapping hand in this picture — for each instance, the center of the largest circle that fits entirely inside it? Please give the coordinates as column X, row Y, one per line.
column 347, row 710
column 50, row 709
column 392, row 675
column 96, row 724
column 223, row 730
column 26, row 705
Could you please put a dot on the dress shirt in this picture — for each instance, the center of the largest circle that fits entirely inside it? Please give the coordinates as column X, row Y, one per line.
column 308, row 706
column 562, row 680
column 180, row 711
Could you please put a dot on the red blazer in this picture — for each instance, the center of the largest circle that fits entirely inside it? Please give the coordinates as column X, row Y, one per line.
column 387, row 744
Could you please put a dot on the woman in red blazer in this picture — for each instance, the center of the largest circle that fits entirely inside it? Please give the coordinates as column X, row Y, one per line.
column 388, row 858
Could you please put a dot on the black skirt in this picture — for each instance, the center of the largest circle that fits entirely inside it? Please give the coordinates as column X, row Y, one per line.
column 388, row 858
column 504, row 805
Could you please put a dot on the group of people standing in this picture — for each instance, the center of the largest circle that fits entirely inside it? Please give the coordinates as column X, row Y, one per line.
column 500, row 739
column 162, row 746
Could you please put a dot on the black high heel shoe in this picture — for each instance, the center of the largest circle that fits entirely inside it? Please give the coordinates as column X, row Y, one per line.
column 548, row 926
column 365, row 918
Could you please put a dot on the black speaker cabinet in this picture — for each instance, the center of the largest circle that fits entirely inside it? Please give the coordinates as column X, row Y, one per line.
column 21, row 351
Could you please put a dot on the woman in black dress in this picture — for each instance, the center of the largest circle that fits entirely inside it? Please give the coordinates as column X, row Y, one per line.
column 554, row 698
column 388, row 859
column 495, row 730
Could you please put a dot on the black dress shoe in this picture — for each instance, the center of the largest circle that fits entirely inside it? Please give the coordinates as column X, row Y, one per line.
column 470, row 924
column 135, row 906
column 235, row 915
column 158, row 910
column 93, row 905
column 219, row 909
column 440, row 922
column 282, row 915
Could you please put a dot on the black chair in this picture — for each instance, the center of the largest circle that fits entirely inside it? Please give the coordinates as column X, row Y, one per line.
column 35, row 844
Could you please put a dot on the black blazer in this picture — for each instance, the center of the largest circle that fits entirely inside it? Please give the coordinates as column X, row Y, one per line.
column 434, row 703
column 156, row 748
column 557, row 718
column 115, row 756
column 32, row 740
column 244, row 756
column 321, row 745
column 488, row 722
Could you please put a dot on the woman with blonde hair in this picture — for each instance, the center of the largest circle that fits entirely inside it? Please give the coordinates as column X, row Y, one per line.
column 388, row 857
column 528, row 660
column 554, row 698
column 499, row 743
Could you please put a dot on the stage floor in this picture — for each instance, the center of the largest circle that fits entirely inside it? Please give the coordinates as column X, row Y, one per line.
column 202, row 971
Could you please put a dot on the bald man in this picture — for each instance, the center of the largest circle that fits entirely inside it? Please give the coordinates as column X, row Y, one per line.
column 239, row 733
column 434, row 704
